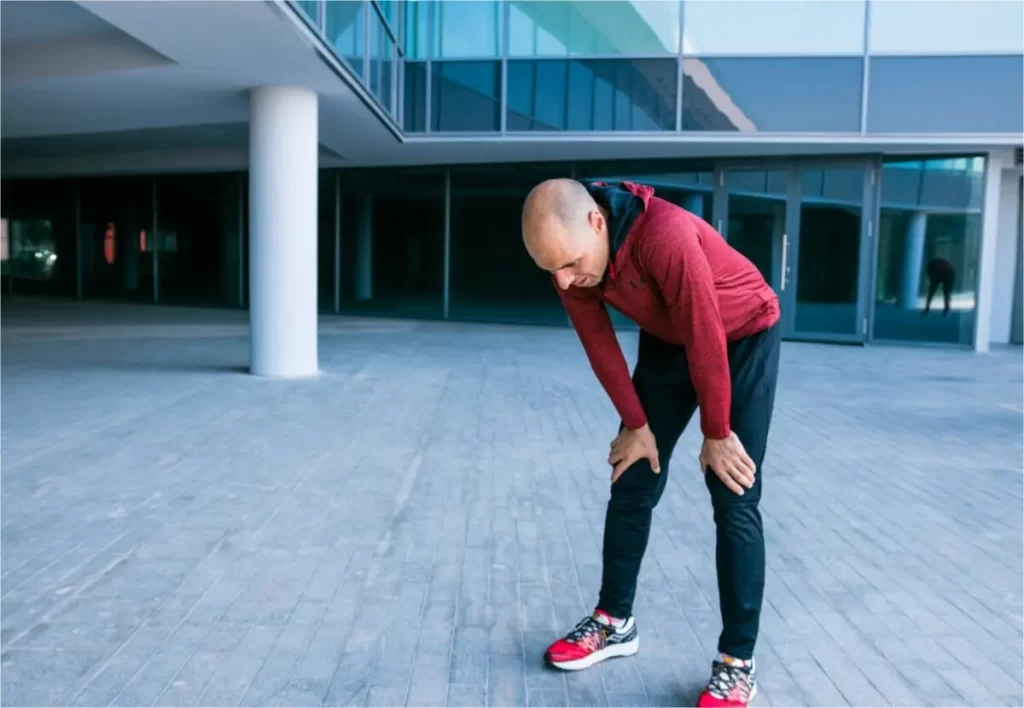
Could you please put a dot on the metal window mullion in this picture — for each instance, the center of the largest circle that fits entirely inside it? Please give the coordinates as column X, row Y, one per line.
column 506, row 10
column 241, row 239
column 679, row 67
column 865, row 74
column 429, row 100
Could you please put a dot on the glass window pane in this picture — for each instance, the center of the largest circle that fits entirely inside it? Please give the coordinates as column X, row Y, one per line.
column 772, row 95
column 39, row 224
column 312, row 9
column 467, row 28
column 766, row 27
column 927, row 254
column 757, row 218
column 199, row 229
column 465, row 96
column 592, row 94
column 946, row 26
column 345, row 28
column 417, row 26
column 415, row 106
column 493, row 278
column 393, row 241
column 326, row 217
column 584, row 27
column 946, row 95
column 382, row 58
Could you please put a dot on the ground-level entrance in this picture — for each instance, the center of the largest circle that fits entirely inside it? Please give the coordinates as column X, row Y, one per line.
column 807, row 226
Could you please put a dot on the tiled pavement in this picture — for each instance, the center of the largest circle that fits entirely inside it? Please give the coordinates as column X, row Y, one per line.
column 414, row 526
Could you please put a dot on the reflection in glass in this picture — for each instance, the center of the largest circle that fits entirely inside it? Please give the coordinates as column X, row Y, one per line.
column 345, row 29
column 773, row 94
column 39, row 236
column 465, row 96
column 115, row 228
column 392, row 242
column 945, row 27
column 828, row 261
column 927, row 256
column 467, row 28
column 757, row 218
column 583, row 27
column 767, row 27
column 602, row 95
column 983, row 94
column 312, row 9
column 492, row 276
column 382, row 63
column 199, row 231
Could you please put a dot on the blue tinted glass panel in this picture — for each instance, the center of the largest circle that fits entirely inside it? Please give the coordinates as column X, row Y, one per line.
column 949, row 183
column 467, row 28
column 946, row 95
column 382, row 63
column 345, row 27
column 571, row 28
column 465, row 96
column 946, row 26
column 820, row 95
column 767, row 27
column 312, row 9
column 417, row 27
column 415, row 105
column 592, row 95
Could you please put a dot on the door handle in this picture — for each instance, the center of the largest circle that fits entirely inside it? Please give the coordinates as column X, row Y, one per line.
column 785, row 267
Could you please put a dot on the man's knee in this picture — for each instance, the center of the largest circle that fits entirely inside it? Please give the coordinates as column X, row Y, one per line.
column 638, row 487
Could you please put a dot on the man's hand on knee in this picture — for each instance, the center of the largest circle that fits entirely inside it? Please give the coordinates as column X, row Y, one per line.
column 631, row 446
column 728, row 459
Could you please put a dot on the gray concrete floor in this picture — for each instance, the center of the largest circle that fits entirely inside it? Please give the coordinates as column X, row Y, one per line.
column 418, row 523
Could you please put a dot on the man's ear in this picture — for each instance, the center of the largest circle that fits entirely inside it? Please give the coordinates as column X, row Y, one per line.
column 596, row 219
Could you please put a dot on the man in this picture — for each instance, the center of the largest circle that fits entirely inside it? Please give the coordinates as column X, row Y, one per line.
column 709, row 338
column 940, row 272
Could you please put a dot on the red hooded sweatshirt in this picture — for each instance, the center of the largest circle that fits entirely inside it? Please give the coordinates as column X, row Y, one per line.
column 678, row 279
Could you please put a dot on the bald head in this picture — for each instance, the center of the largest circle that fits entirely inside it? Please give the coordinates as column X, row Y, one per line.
column 565, row 232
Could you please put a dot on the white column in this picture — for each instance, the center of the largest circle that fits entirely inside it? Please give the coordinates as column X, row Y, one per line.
column 989, row 247
column 364, row 251
column 913, row 258
column 283, row 151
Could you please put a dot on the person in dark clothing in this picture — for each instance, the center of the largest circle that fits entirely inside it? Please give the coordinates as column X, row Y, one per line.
column 709, row 338
column 940, row 272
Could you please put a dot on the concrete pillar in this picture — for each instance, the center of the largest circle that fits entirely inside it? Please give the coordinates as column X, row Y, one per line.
column 364, row 251
column 283, row 152
column 994, row 164
column 913, row 260
column 694, row 203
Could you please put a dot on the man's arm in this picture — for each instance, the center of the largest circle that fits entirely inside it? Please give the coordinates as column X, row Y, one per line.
column 593, row 325
column 675, row 261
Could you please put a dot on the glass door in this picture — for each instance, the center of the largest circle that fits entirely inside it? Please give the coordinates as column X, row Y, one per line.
column 830, row 236
column 803, row 226
column 752, row 208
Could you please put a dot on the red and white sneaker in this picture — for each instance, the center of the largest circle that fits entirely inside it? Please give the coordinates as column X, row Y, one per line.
column 733, row 684
column 595, row 639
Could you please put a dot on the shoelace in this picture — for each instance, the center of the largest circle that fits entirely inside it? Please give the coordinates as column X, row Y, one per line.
column 585, row 628
column 726, row 679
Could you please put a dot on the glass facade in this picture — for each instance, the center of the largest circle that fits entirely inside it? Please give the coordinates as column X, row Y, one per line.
column 446, row 243
column 928, row 239
column 770, row 66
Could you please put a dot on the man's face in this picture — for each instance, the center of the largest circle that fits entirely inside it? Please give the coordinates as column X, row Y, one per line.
column 575, row 259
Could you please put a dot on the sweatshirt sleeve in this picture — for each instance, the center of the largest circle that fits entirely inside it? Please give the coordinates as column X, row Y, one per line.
column 590, row 319
column 673, row 258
